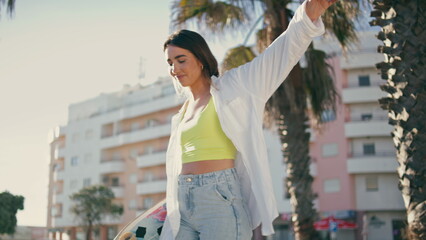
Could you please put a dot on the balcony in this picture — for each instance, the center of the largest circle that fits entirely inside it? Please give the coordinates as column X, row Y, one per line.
column 362, row 94
column 375, row 127
column 384, row 162
column 361, row 59
column 157, row 186
column 141, row 108
column 61, row 152
column 109, row 220
column 111, row 166
column 153, row 159
column 118, row 191
column 58, row 175
column 162, row 102
column 136, row 136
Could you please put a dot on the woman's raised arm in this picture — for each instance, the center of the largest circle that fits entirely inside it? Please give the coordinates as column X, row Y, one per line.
column 263, row 75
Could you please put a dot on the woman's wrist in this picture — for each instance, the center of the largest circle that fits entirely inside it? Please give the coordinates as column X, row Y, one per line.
column 315, row 8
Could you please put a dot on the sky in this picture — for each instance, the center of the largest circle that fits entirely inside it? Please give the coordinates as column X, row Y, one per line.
column 57, row 52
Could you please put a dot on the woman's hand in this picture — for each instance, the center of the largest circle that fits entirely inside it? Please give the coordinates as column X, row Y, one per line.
column 315, row 8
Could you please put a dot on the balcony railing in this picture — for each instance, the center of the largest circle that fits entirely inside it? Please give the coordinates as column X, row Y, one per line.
column 372, row 84
column 361, row 94
column 372, row 164
column 137, row 136
column 152, row 159
column 112, row 166
column 367, row 129
column 367, row 119
column 118, row 191
column 149, row 187
column 376, row 154
column 58, row 175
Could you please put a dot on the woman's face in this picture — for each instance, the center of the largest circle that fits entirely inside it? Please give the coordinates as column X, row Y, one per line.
column 184, row 66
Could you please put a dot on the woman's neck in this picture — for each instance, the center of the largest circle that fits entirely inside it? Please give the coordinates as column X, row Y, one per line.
column 200, row 91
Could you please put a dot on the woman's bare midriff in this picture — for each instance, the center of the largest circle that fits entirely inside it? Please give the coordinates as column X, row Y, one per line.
column 206, row 166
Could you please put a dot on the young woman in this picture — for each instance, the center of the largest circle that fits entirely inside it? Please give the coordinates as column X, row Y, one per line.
column 219, row 185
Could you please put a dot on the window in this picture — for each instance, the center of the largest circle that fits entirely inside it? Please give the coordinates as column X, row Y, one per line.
column 328, row 116
column 107, row 130
column 371, row 184
column 330, row 150
column 116, row 156
column 74, row 161
column 56, row 167
column 331, row 185
column 135, row 126
column 151, row 123
column 148, row 149
column 115, row 182
column 86, row 182
column 364, row 80
column 366, row 116
column 147, row 203
column 57, row 210
column 105, row 180
column 369, row 149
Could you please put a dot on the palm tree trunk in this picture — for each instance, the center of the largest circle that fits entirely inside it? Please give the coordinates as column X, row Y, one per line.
column 295, row 141
column 403, row 25
column 290, row 99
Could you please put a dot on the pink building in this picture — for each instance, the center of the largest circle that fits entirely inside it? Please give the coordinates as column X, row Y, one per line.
column 354, row 155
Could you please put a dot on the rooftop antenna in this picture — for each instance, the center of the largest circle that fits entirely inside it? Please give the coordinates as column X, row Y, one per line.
column 141, row 75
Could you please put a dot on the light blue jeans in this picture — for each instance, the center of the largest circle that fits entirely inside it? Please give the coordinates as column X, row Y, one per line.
column 211, row 207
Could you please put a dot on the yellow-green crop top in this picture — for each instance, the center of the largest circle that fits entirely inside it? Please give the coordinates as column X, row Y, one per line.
column 206, row 139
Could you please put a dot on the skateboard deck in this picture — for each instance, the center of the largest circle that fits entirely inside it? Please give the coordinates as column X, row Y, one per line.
column 146, row 226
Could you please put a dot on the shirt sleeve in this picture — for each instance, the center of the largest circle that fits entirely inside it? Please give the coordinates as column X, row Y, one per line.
column 264, row 74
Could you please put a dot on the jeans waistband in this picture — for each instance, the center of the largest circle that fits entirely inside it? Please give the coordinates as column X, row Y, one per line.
column 229, row 174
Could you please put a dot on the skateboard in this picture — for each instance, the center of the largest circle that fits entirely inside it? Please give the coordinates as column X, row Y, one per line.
column 146, row 226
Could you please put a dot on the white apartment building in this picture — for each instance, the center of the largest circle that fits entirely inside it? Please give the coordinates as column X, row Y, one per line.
column 120, row 139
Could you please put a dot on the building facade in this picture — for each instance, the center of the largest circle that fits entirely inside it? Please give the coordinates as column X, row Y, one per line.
column 354, row 154
column 119, row 140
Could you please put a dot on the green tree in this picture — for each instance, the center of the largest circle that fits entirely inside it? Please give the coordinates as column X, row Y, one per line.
column 10, row 6
column 9, row 206
column 93, row 203
column 403, row 33
column 288, row 107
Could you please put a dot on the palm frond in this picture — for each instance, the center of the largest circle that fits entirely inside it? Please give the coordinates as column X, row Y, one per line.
column 10, row 6
column 237, row 56
column 320, row 87
column 215, row 15
column 339, row 21
column 262, row 39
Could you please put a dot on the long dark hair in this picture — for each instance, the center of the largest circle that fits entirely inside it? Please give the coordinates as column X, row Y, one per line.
column 196, row 44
